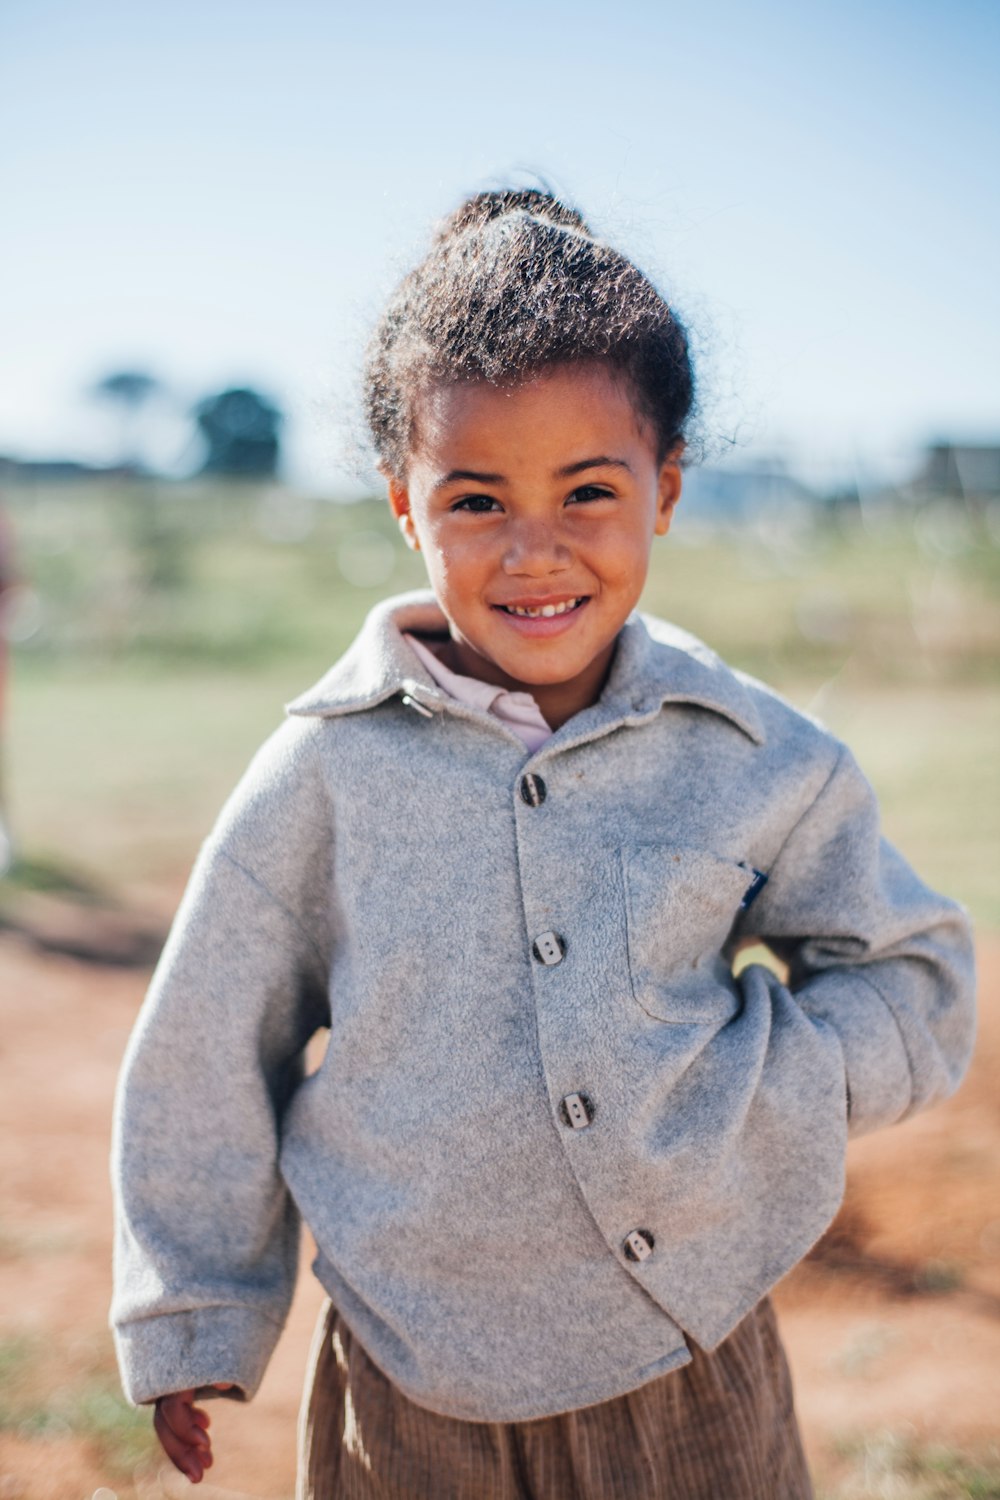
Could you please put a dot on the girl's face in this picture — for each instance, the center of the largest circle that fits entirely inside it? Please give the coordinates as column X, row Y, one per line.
column 535, row 507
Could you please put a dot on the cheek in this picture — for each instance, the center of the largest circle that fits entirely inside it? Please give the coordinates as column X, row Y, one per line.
column 625, row 559
column 454, row 567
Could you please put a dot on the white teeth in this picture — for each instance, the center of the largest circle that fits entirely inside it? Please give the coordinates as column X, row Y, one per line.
column 544, row 611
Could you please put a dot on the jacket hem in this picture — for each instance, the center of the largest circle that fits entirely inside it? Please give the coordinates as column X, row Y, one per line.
column 534, row 1411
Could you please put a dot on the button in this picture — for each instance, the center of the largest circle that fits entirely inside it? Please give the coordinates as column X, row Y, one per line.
column 576, row 1110
column 549, row 948
column 533, row 790
column 639, row 1244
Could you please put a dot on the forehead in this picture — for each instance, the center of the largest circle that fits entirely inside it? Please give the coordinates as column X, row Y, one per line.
column 549, row 419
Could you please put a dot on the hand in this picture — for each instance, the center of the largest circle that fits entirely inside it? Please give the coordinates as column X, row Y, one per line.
column 182, row 1429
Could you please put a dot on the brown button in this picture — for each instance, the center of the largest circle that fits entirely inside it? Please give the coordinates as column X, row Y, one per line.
column 639, row 1244
column 577, row 1111
column 549, row 948
column 533, row 789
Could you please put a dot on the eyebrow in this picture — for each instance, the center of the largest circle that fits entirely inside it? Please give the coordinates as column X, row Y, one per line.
column 454, row 475
column 472, row 476
column 601, row 462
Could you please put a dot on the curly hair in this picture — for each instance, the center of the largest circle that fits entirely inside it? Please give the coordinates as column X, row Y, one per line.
column 516, row 283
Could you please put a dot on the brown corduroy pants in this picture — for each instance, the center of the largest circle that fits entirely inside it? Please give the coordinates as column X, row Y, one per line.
column 720, row 1428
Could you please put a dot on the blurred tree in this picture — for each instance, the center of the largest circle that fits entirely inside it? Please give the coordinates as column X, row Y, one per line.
column 241, row 430
column 130, row 390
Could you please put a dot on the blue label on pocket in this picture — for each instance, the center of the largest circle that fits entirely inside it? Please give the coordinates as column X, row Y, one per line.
column 754, row 889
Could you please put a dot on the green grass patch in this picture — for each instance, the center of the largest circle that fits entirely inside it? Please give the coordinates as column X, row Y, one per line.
column 17, row 1356
column 52, row 876
column 890, row 1466
column 123, row 1434
column 91, row 1407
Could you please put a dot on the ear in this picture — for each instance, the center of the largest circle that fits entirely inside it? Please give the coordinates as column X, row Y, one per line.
column 399, row 504
column 668, row 490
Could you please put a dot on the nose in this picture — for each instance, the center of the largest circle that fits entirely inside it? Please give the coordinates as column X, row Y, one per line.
column 535, row 550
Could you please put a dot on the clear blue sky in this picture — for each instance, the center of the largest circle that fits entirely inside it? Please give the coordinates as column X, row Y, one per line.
column 224, row 192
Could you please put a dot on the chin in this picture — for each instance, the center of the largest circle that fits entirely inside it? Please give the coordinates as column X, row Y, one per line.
column 541, row 678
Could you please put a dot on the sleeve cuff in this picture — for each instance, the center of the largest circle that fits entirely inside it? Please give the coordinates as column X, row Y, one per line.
column 877, row 1068
column 177, row 1351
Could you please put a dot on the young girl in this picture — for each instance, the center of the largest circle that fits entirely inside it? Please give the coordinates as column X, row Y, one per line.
column 556, row 1154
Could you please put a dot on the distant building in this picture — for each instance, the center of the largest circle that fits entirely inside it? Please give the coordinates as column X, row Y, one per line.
column 733, row 496
column 961, row 470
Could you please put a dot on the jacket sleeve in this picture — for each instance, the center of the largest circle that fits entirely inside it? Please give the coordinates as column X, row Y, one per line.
column 872, row 953
column 206, row 1235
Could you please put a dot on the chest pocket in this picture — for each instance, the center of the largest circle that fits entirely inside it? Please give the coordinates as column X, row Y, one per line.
column 680, row 908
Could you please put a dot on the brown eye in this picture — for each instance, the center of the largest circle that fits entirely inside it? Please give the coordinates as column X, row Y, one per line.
column 591, row 492
column 477, row 505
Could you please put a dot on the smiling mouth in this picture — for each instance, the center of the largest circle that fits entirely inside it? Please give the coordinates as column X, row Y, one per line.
column 543, row 611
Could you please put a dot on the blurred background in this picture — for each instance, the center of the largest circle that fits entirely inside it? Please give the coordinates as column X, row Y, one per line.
column 204, row 208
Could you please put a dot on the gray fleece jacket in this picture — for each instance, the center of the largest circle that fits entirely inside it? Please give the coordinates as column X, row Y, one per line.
column 552, row 1134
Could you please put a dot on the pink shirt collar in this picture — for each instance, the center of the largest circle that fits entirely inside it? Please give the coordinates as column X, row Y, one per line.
column 518, row 710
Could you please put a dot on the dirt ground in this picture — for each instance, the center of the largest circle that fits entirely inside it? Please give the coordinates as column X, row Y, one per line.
column 892, row 1324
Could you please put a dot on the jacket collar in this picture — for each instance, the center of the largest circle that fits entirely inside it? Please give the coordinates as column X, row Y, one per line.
column 655, row 663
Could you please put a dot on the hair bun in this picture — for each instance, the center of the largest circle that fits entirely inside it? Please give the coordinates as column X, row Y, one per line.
column 516, row 284
column 482, row 207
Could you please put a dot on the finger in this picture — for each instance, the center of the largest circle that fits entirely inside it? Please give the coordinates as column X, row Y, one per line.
column 190, row 1461
column 190, row 1438
column 186, row 1422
